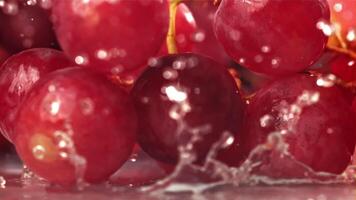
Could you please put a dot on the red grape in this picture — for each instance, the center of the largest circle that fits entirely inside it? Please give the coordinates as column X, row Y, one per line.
column 25, row 26
column 344, row 67
column 111, row 36
column 314, row 117
column 183, row 96
column 185, row 30
column 205, row 41
column 3, row 55
column 274, row 37
column 75, row 121
column 17, row 76
column 132, row 173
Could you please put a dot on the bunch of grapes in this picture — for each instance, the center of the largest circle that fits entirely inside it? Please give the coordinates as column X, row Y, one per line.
column 89, row 87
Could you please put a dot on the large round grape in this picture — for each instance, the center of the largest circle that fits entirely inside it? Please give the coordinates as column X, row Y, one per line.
column 313, row 115
column 184, row 97
column 273, row 37
column 111, row 36
column 75, row 125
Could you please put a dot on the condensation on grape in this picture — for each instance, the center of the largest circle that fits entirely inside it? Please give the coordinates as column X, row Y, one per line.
column 199, row 36
column 81, row 60
column 351, row 36
column 325, row 27
column 338, row 7
column 170, row 74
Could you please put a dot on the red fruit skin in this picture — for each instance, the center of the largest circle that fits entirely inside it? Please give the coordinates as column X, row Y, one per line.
column 343, row 67
column 212, row 97
column 132, row 173
column 97, row 116
column 3, row 55
column 273, row 37
column 17, row 76
column 29, row 27
column 186, row 27
column 111, row 37
column 324, row 136
column 205, row 41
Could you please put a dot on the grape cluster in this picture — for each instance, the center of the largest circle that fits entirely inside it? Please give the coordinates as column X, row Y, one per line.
column 89, row 87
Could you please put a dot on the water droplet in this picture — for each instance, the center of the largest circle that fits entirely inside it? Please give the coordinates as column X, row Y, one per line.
column 39, row 152
column 2, row 182
column 170, row 74
column 325, row 27
column 265, row 49
column 351, row 36
column 266, row 120
column 199, row 36
column 338, row 7
column 81, row 60
column 175, row 94
column 326, row 81
column 87, row 106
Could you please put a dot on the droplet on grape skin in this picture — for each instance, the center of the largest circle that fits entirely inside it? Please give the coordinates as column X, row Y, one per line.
column 320, row 133
column 55, row 133
column 287, row 28
column 17, row 76
column 106, row 34
column 201, row 100
column 28, row 26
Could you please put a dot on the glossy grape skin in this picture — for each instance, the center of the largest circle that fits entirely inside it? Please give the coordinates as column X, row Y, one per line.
column 186, row 89
column 75, row 106
column 324, row 136
column 111, row 37
column 344, row 67
column 17, row 76
column 3, row 55
column 205, row 41
column 343, row 17
column 273, row 37
column 28, row 27
column 131, row 172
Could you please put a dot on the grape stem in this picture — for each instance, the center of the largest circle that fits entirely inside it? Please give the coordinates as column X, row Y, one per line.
column 171, row 36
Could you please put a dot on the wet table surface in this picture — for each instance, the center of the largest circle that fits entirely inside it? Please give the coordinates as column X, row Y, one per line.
column 14, row 189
